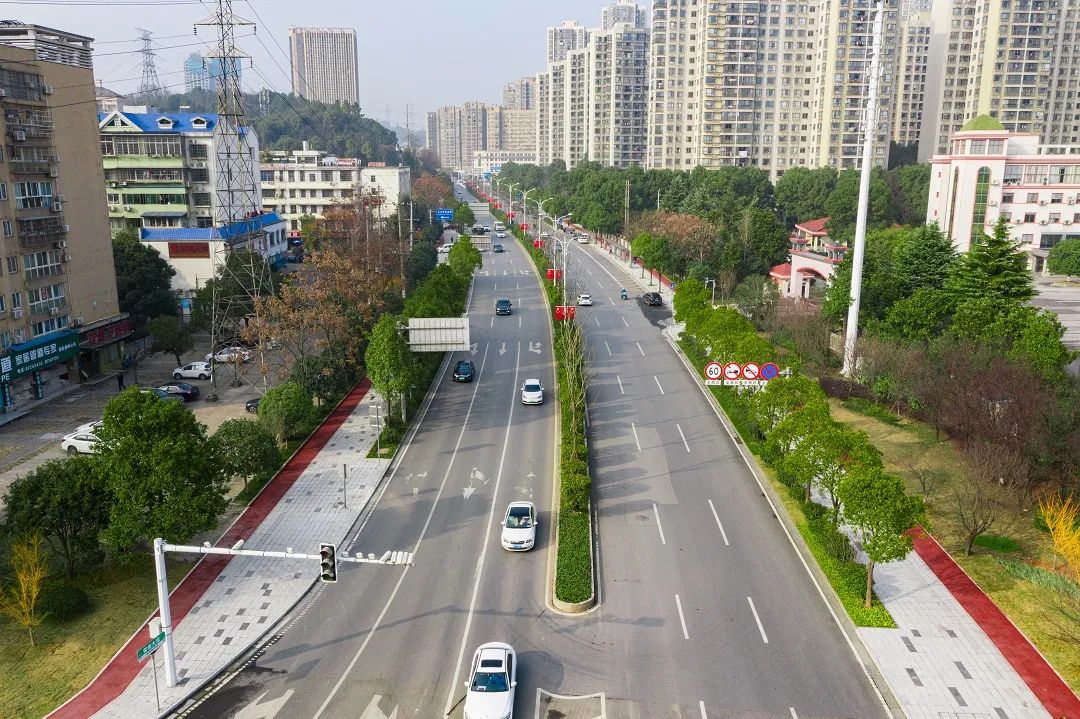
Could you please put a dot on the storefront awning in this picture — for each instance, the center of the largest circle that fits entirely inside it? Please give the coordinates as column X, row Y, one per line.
column 38, row 353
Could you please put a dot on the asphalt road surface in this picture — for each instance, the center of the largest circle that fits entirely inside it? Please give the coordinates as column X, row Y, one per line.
column 705, row 608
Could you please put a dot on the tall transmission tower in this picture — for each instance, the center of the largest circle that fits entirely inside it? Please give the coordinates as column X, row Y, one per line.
column 242, row 273
column 150, row 88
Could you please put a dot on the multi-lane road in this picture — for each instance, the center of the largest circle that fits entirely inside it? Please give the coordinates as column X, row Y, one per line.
column 706, row 610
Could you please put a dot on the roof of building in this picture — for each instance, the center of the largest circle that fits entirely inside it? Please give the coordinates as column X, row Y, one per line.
column 101, row 92
column 782, row 271
column 240, row 227
column 149, row 121
column 814, row 226
column 983, row 122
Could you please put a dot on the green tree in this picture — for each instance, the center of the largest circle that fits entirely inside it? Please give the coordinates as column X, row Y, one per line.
column 756, row 242
column 757, row 297
column 994, row 269
column 442, row 294
column 801, row 193
column 171, row 336
column 327, row 375
column 1064, row 258
column 1022, row 332
column 843, row 204
column 143, row 279
column 691, row 299
column 421, row 261
column 880, row 284
column 390, row 363
column 923, row 257
column 920, row 317
column 877, row 507
column 68, row 502
column 286, row 411
column 464, row 259
column 912, row 192
column 464, row 216
column 243, row 277
column 830, row 454
column 245, row 449
column 161, row 469
column 781, row 397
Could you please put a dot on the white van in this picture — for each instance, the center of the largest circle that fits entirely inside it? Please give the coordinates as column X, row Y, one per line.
column 500, row 227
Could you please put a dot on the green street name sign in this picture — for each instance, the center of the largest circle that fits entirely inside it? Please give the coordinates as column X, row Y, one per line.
column 150, row 646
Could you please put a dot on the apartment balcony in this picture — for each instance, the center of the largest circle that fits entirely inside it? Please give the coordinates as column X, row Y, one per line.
column 34, row 166
column 49, row 308
column 41, row 231
column 25, row 125
column 44, row 275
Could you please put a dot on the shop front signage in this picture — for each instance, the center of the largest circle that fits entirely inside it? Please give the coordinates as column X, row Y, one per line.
column 36, row 355
column 189, row 250
column 100, row 336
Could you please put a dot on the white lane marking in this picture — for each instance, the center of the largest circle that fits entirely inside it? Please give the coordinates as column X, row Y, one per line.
column 607, row 347
column 684, row 442
column 596, row 320
column 624, row 321
column 658, row 384
column 589, row 271
column 659, row 526
column 682, row 619
column 717, row 518
column 600, row 285
column 485, row 540
column 619, row 380
column 793, row 714
column 701, row 705
column 416, row 547
column 493, row 321
column 600, row 265
column 634, row 430
column 639, row 349
column 611, row 300
column 757, row 619
column 494, row 285
column 519, row 320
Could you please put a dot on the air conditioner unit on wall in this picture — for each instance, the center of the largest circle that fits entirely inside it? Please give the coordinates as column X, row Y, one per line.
column 1019, row 221
column 995, row 182
column 1042, row 202
column 47, row 89
column 19, row 136
column 993, row 203
column 1042, row 222
column 58, row 207
column 1066, row 222
column 54, row 311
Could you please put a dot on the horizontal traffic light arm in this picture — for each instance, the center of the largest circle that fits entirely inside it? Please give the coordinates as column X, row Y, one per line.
column 391, row 558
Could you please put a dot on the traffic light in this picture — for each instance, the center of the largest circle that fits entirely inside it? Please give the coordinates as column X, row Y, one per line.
column 327, row 563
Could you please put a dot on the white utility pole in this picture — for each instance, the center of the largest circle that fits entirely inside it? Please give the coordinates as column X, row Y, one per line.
column 161, row 546
column 869, row 128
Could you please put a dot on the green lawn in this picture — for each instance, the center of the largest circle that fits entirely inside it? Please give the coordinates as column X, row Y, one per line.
column 69, row 654
column 912, row 444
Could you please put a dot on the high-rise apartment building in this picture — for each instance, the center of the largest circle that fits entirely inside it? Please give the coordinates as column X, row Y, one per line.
column 1015, row 60
column 60, row 321
column 431, row 134
column 911, row 74
column 448, row 137
column 324, row 64
column 617, row 94
column 474, row 130
column 767, row 85
column 510, row 129
column 563, row 38
column 520, row 94
column 624, row 11
column 543, row 118
column 206, row 72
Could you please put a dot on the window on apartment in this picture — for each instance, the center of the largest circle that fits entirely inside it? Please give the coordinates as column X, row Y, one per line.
column 1056, row 198
column 196, row 151
column 3, row 190
column 31, row 195
column 42, row 264
column 200, row 199
column 200, row 174
column 50, row 325
column 12, row 264
column 327, row 175
column 1033, row 197
column 995, row 147
column 1006, row 198
column 8, row 229
column 3, row 306
column 1029, row 217
column 16, row 300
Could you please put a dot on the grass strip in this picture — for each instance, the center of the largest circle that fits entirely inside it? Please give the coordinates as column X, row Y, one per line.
column 573, row 579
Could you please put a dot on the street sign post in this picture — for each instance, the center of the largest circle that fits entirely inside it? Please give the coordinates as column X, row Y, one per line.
column 751, row 371
column 732, row 371
column 149, row 648
column 444, row 214
column 713, row 372
column 769, row 370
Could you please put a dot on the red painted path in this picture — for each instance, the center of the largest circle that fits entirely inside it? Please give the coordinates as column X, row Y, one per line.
column 124, row 667
column 1050, row 689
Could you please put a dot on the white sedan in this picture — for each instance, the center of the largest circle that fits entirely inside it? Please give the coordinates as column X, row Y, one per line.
column 583, row 239
column 195, row 370
column 229, row 354
column 492, row 681
column 79, row 443
column 519, row 527
column 532, row 392
column 584, row 300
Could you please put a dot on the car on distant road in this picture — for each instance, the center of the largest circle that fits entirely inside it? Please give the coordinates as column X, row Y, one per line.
column 445, row 249
column 492, row 681
column 652, row 299
column 463, row 371
column 519, row 527
column 79, row 443
column 584, row 300
column 582, row 239
column 195, row 370
column 252, row 405
column 545, row 235
column 230, row 354
column 187, row 392
column 496, row 248
column 502, row 306
column 532, row 392
column 487, row 228
column 501, row 235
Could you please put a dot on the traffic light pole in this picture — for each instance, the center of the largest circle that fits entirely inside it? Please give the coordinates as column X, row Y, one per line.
column 161, row 547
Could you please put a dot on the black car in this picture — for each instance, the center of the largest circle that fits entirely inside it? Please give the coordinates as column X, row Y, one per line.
column 463, row 371
column 252, row 405
column 187, row 392
column 502, row 306
column 652, row 299
column 496, row 248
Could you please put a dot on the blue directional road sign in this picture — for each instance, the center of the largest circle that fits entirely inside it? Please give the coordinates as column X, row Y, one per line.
column 487, row 175
column 444, row 214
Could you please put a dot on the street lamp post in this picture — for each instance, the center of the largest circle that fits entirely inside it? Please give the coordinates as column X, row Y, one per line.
column 712, row 281
column 510, row 203
column 525, row 206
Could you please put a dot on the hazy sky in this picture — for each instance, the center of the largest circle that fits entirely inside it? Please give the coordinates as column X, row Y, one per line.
column 426, row 53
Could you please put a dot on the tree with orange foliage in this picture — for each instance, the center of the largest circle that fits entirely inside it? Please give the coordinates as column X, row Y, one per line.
column 433, row 191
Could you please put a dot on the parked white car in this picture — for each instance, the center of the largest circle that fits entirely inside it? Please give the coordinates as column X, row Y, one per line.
column 532, row 392
column 234, row 353
column 584, row 300
column 492, row 682
column 519, row 527
column 89, row 427
column 195, row 370
column 79, row 443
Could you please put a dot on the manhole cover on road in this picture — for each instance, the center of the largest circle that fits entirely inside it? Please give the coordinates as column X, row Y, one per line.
column 556, row 706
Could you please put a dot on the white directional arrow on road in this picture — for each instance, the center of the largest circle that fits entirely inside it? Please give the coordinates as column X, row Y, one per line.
column 468, row 491
column 259, row 710
column 473, row 350
column 477, row 476
column 502, row 350
column 374, row 712
column 535, row 347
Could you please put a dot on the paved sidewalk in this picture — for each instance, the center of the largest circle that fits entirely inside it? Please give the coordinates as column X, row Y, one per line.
column 226, row 603
column 953, row 654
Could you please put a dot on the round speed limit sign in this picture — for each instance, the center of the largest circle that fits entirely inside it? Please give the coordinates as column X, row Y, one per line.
column 732, row 370
column 713, row 370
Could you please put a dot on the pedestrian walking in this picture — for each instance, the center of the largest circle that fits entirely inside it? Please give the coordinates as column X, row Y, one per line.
column 120, row 382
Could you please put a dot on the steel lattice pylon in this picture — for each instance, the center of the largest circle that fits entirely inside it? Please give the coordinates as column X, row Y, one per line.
column 242, row 272
column 150, row 87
